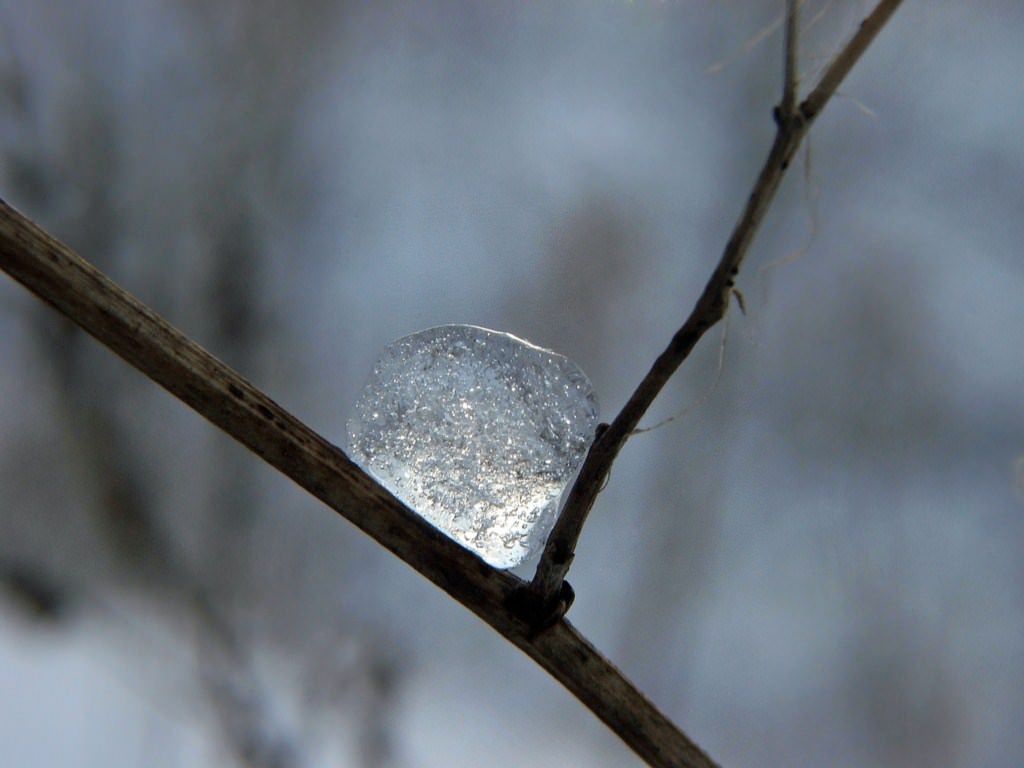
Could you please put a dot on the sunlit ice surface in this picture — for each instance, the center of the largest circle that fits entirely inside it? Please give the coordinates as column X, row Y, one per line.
column 478, row 431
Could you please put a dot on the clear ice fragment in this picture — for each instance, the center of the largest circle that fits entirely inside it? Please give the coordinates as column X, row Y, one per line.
column 477, row 431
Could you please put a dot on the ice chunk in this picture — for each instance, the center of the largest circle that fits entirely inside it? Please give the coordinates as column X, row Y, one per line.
column 477, row 431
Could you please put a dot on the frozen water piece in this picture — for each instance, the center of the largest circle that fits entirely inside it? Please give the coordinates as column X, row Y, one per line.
column 478, row 431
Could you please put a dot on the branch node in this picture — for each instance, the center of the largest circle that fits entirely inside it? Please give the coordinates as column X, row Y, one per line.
column 790, row 121
column 539, row 614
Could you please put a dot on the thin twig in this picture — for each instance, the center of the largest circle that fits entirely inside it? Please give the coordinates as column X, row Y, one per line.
column 547, row 587
column 843, row 62
column 60, row 277
column 792, row 48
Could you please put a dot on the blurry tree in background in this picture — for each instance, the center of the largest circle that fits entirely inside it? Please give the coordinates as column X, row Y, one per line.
column 121, row 527
column 818, row 562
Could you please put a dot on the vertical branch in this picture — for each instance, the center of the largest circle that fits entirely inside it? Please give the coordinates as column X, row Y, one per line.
column 792, row 46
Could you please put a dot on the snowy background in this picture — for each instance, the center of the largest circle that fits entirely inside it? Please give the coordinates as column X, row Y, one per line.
column 820, row 562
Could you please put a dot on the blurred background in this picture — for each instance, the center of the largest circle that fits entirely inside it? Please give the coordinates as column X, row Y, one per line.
column 818, row 562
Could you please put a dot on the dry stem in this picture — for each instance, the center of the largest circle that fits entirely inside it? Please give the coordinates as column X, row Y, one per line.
column 792, row 125
column 60, row 277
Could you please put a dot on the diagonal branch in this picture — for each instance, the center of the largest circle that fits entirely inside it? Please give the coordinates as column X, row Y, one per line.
column 60, row 277
column 843, row 62
column 547, row 588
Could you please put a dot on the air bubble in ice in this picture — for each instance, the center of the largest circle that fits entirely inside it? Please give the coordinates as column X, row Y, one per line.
column 477, row 431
